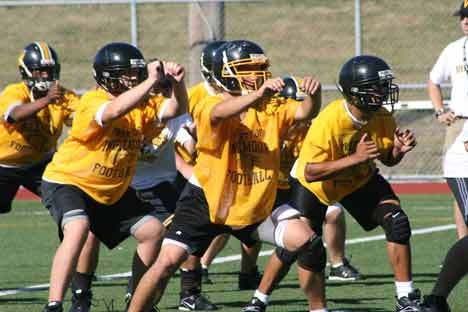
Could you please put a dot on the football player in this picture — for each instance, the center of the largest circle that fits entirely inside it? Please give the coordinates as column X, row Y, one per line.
column 86, row 185
column 336, row 164
column 233, row 187
column 33, row 113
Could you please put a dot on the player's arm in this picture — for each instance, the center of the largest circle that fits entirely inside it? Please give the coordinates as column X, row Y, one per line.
column 310, row 107
column 435, row 93
column 366, row 150
column 404, row 141
column 183, row 167
column 126, row 101
column 24, row 111
column 237, row 104
column 178, row 101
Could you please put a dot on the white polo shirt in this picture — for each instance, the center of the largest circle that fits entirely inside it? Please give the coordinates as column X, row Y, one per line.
column 450, row 67
column 455, row 163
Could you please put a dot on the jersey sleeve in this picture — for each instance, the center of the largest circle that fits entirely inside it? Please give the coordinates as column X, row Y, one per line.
column 441, row 71
column 86, row 125
column 9, row 98
column 209, row 136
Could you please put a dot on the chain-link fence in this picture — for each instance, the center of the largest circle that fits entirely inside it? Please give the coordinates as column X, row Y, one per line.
column 301, row 37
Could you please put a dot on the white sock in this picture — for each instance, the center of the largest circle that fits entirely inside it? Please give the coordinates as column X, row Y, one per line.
column 319, row 310
column 403, row 288
column 338, row 264
column 261, row 296
column 203, row 266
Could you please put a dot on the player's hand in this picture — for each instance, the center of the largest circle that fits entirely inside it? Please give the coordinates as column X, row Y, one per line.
column 55, row 92
column 156, row 71
column 310, row 85
column 404, row 141
column 174, row 71
column 270, row 87
column 366, row 149
column 446, row 118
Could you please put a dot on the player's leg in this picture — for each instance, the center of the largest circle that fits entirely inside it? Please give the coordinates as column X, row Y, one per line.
column 218, row 244
column 334, row 229
column 249, row 275
column 67, row 206
column 459, row 187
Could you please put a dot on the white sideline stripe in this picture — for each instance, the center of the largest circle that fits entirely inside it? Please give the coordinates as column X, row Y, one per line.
column 232, row 258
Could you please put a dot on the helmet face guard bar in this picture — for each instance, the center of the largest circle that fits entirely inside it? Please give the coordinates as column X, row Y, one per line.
column 234, row 69
column 372, row 96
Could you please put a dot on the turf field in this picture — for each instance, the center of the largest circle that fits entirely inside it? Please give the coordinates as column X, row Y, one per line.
column 29, row 241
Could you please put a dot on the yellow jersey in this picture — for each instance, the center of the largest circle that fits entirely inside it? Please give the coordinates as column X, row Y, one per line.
column 290, row 148
column 101, row 160
column 332, row 136
column 197, row 94
column 238, row 160
column 29, row 141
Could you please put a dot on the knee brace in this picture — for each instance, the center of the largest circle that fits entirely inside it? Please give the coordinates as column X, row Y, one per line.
column 312, row 255
column 395, row 223
column 287, row 257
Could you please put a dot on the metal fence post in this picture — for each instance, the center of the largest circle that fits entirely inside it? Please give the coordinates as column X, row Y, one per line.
column 357, row 28
column 134, row 23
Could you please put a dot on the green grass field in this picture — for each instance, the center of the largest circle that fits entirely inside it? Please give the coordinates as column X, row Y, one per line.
column 29, row 240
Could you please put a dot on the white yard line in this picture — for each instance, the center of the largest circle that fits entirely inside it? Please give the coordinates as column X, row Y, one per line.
column 232, row 258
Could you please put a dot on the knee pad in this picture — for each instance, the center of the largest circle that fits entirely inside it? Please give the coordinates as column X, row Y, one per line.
column 396, row 224
column 287, row 257
column 312, row 255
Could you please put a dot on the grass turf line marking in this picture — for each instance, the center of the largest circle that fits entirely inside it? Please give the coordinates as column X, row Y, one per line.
column 111, row 277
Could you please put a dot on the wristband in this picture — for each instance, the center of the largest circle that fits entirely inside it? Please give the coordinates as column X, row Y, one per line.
column 439, row 112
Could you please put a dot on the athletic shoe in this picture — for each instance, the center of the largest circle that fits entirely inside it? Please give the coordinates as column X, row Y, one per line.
column 206, row 277
column 53, row 307
column 249, row 281
column 196, row 302
column 410, row 303
column 345, row 272
column 255, row 305
column 434, row 303
column 81, row 300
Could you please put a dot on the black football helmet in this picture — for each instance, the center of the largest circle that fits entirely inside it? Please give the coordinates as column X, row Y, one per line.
column 206, row 59
column 292, row 89
column 366, row 81
column 39, row 56
column 239, row 59
column 118, row 67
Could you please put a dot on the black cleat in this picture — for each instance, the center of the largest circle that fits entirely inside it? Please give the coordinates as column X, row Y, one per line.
column 196, row 302
column 410, row 303
column 345, row 272
column 249, row 281
column 255, row 305
column 81, row 300
column 434, row 303
column 53, row 307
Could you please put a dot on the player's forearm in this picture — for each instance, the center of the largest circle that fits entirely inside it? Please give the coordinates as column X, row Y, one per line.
column 24, row 111
column 395, row 157
column 310, row 107
column 435, row 93
column 178, row 102
column 183, row 167
column 325, row 170
column 232, row 107
column 126, row 101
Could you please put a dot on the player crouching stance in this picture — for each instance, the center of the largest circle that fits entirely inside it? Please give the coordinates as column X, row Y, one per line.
column 336, row 164
column 235, row 179
column 85, row 186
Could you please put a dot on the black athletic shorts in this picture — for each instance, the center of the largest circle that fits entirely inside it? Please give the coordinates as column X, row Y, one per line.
column 192, row 227
column 162, row 197
column 459, row 188
column 362, row 204
column 111, row 224
column 12, row 178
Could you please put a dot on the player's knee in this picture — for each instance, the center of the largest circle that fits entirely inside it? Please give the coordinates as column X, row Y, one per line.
column 285, row 256
column 312, row 255
column 396, row 224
